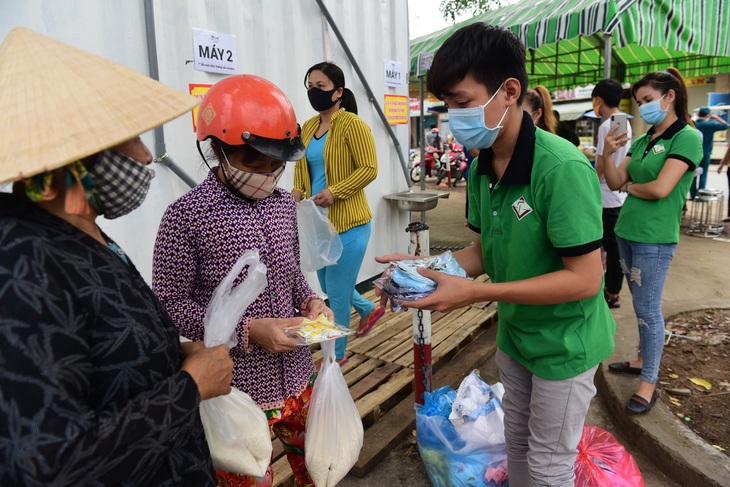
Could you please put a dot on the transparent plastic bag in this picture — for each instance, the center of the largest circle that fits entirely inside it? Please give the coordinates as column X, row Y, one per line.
column 235, row 427
column 401, row 281
column 318, row 330
column 334, row 432
column 602, row 460
column 319, row 242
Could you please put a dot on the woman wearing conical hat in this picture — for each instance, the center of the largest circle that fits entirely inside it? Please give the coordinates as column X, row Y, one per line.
column 94, row 385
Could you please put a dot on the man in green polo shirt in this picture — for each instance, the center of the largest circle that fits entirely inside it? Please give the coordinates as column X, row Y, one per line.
column 535, row 202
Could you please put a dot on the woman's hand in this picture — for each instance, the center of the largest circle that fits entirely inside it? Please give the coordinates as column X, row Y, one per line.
column 388, row 259
column 211, row 369
column 269, row 333
column 324, row 198
column 189, row 348
column 316, row 307
column 614, row 141
column 297, row 195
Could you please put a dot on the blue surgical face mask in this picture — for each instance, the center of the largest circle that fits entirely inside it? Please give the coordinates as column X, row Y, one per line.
column 468, row 127
column 651, row 113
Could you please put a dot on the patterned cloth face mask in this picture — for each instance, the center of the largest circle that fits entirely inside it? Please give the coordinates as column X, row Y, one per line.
column 121, row 183
column 469, row 128
column 651, row 113
column 252, row 185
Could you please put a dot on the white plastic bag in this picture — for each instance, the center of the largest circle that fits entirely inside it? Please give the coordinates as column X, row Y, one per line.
column 235, row 427
column 319, row 242
column 477, row 413
column 334, row 431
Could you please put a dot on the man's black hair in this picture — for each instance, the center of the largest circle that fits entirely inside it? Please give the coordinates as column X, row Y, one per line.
column 610, row 91
column 487, row 53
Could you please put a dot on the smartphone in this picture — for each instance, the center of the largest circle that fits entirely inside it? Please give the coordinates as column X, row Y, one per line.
column 618, row 120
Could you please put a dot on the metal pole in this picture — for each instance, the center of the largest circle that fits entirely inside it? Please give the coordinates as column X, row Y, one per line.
column 161, row 155
column 423, row 143
column 608, row 39
column 369, row 92
column 422, row 369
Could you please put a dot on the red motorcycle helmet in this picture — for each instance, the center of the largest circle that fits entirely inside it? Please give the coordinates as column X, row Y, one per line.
column 248, row 109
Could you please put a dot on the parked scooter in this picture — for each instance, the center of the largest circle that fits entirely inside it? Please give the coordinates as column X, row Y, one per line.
column 455, row 161
column 431, row 165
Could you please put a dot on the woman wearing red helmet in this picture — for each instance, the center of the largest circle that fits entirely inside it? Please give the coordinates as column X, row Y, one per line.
column 340, row 161
column 252, row 131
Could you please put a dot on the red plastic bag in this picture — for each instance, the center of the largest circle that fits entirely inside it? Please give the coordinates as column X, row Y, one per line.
column 603, row 462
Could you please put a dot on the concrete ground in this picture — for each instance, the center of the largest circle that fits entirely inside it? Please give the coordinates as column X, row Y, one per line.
column 668, row 454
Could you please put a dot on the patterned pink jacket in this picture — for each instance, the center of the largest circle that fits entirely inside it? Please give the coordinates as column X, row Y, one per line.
column 201, row 236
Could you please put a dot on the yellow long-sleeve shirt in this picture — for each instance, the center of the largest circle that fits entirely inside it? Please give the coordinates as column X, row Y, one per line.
column 350, row 164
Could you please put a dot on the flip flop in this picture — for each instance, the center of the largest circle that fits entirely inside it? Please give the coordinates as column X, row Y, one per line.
column 373, row 317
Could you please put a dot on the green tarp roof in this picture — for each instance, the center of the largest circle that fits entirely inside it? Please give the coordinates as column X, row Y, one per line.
column 565, row 38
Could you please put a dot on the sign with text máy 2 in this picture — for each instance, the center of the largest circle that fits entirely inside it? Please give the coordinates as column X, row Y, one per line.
column 198, row 91
column 214, row 52
column 396, row 109
column 393, row 73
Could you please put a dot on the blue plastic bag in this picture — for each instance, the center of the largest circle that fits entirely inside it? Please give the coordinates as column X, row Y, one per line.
column 450, row 459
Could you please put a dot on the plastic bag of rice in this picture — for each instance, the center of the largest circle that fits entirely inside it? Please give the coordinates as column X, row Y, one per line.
column 334, row 431
column 237, row 433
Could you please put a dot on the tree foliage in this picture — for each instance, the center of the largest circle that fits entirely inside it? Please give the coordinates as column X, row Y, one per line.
column 450, row 9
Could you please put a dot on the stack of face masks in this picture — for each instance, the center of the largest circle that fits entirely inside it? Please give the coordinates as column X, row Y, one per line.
column 403, row 282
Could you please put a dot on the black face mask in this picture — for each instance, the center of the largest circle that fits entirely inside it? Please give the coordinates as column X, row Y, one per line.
column 321, row 100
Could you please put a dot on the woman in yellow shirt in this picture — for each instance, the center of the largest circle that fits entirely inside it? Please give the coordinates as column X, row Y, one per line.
column 340, row 161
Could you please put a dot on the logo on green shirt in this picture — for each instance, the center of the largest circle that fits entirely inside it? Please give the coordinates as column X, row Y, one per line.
column 521, row 208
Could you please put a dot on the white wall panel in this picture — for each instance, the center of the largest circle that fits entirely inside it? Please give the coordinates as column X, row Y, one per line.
column 276, row 39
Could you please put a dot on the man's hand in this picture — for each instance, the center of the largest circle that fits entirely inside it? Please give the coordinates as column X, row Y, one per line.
column 211, row 369
column 387, row 259
column 269, row 333
column 453, row 292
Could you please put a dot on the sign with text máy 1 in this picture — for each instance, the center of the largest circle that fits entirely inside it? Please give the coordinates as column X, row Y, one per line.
column 393, row 73
column 214, row 52
column 198, row 91
column 396, row 109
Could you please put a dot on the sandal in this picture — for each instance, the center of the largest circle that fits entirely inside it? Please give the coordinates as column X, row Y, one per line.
column 612, row 303
column 369, row 321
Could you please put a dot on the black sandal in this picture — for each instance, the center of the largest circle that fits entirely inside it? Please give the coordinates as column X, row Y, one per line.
column 612, row 302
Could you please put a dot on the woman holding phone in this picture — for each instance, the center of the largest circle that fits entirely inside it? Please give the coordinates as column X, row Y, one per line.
column 656, row 175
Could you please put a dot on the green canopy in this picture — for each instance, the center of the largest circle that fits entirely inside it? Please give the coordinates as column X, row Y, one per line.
column 566, row 39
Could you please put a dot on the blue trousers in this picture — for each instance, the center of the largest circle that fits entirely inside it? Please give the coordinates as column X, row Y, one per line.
column 646, row 267
column 339, row 280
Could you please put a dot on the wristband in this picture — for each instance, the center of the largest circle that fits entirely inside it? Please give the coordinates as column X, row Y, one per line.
column 305, row 303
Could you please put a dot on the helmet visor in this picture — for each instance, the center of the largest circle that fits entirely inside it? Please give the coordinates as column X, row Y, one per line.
column 291, row 149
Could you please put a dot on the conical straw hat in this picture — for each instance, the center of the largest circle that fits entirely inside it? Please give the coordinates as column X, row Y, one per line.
column 59, row 104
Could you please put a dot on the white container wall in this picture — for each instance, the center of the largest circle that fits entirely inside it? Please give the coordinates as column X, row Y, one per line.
column 276, row 39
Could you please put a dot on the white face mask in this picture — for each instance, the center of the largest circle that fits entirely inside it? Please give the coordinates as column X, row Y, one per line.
column 255, row 186
column 469, row 128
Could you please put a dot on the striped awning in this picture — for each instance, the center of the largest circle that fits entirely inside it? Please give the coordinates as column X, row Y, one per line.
column 566, row 38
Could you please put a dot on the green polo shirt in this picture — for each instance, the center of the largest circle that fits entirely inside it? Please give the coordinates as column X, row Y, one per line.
column 546, row 206
column 657, row 221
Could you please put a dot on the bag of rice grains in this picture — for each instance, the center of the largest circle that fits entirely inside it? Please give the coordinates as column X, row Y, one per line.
column 334, row 432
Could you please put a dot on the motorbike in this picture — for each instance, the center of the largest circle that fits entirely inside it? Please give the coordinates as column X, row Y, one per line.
column 431, row 164
column 453, row 164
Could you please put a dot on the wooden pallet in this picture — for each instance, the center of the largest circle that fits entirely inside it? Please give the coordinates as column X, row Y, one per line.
column 380, row 374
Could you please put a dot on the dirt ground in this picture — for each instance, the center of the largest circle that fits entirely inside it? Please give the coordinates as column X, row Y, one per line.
column 699, row 353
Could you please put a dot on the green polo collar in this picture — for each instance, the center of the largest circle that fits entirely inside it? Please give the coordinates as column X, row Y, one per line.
column 519, row 169
column 670, row 132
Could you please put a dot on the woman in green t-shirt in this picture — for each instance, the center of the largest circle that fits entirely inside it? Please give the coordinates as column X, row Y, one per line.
column 656, row 174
